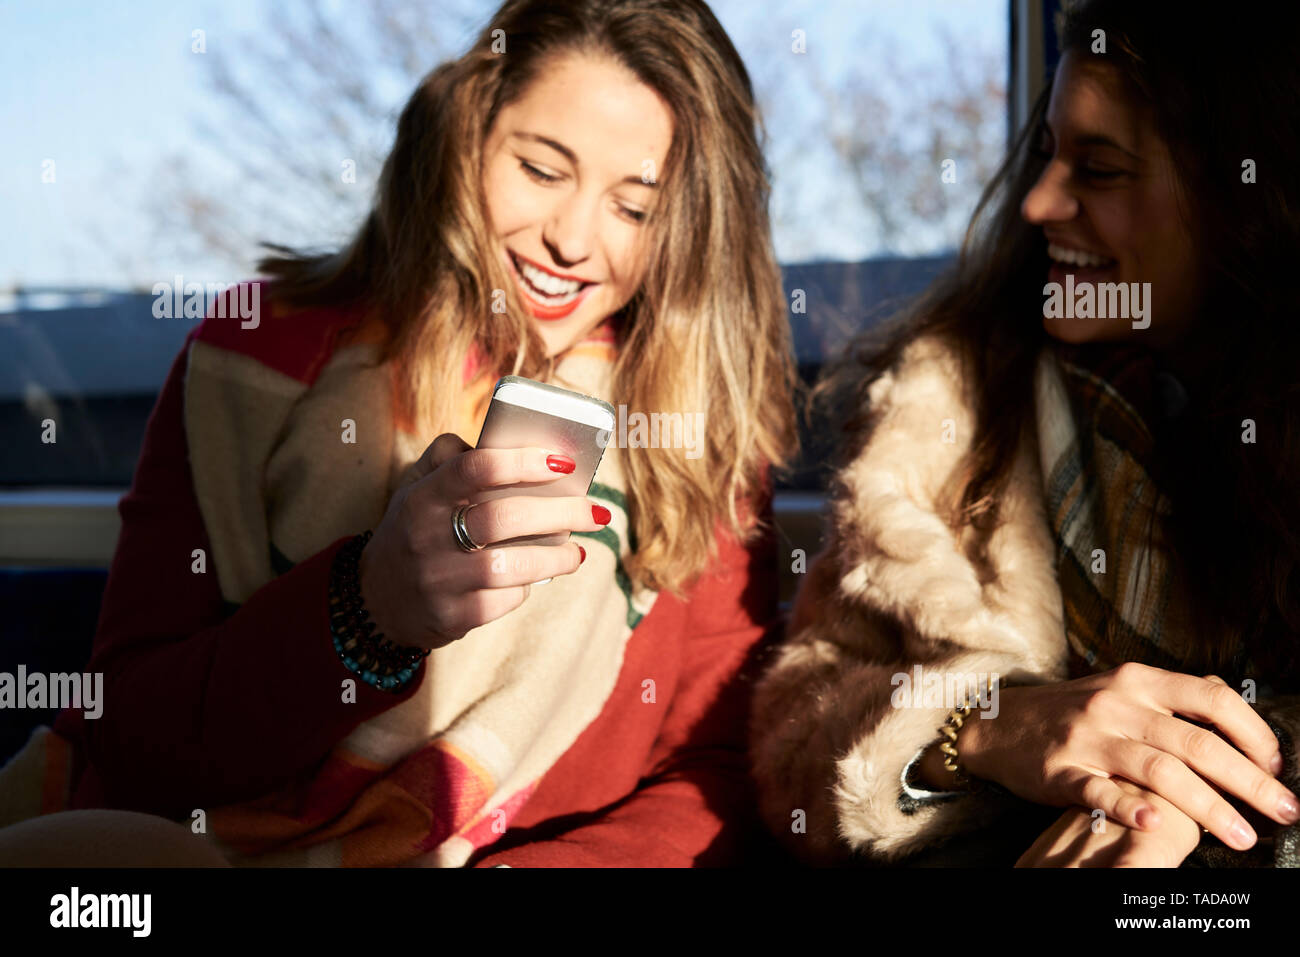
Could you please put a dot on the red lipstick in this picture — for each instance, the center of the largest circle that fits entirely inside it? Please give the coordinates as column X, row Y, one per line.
column 541, row 310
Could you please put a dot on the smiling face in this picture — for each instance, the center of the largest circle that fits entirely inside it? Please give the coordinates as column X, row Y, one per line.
column 564, row 172
column 1107, row 205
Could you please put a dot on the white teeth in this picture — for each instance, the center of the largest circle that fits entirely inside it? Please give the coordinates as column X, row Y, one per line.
column 546, row 300
column 1076, row 257
column 551, row 290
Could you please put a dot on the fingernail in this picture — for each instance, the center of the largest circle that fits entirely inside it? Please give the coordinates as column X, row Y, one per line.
column 582, row 554
column 1275, row 765
column 600, row 514
column 1289, row 808
column 560, row 463
column 1146, row 818
column 1242, row 835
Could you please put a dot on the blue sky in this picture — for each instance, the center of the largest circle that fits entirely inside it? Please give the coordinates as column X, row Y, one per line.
column 105, row 89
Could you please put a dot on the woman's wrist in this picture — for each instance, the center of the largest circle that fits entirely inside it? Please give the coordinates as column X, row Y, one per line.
column 934, row 773
column 366, row 584
column 931, row 773
column 972, row 744
column 360, row 646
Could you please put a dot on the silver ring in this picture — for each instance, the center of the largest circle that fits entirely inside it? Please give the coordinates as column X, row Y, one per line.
column 460, row 533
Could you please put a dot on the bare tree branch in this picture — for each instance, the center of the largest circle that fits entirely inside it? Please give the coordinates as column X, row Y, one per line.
column 315, row 89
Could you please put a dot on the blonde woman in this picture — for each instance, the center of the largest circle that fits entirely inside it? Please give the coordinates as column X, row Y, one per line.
column 566, row 202
column 1092, row 508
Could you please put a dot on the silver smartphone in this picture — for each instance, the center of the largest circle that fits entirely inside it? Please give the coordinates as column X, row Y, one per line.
column 528, row 413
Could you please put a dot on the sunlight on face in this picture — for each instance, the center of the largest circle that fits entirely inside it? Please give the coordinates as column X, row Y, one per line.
column 563, row 172
column 1106, row 202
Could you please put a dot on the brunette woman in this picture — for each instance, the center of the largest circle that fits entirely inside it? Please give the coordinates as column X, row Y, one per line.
column 1081, row 516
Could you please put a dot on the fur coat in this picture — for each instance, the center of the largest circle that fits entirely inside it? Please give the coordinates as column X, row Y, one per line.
column 894, row 588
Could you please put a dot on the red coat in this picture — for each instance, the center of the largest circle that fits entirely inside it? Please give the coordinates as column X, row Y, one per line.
column 213, row 705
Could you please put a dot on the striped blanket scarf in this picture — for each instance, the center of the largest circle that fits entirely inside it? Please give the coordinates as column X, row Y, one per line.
column 441, row 774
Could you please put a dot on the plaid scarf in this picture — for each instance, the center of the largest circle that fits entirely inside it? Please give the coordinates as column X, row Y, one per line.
column 1122, row 598
column 1094, row 410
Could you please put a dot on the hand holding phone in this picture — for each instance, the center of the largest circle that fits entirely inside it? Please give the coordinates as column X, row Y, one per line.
column 418, row 584
column 524, row 412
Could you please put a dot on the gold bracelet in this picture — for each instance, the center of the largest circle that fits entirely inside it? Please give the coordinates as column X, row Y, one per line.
column 956, row 718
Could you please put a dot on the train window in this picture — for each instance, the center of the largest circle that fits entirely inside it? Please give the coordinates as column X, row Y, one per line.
column 882, row 123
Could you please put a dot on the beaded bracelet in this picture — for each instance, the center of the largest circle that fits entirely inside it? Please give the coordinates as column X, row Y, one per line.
column 376, row 660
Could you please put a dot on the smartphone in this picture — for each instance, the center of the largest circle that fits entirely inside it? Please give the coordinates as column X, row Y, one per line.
column 528, row 413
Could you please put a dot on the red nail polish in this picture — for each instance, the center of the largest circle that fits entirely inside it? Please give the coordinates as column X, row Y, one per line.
column 582, row 554
column 600, row 514
column 560, row 463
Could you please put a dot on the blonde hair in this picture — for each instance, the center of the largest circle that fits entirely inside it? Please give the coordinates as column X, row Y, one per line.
column 707, row 330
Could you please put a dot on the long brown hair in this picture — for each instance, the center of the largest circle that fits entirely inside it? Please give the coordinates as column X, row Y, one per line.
column 1236, row 528
column 707, row 332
